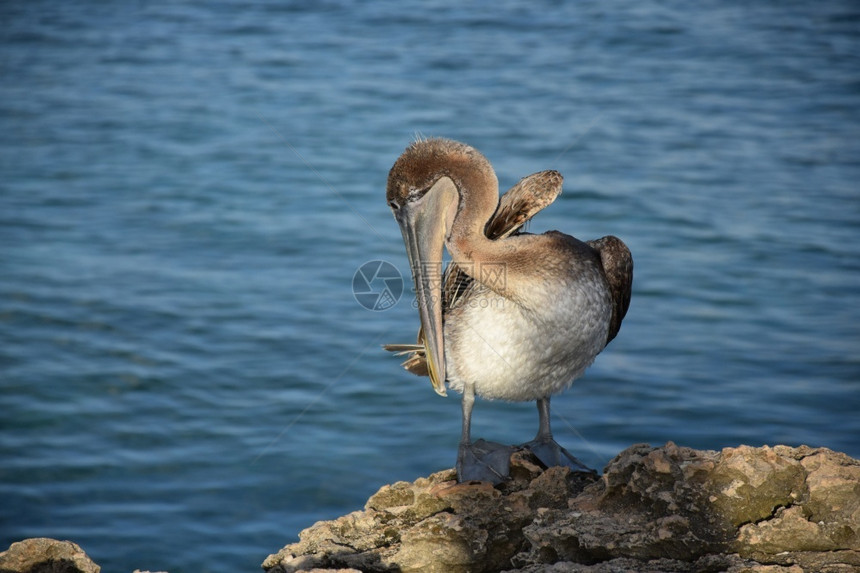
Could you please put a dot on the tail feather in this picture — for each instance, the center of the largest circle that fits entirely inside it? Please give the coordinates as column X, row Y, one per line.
column 618, row 266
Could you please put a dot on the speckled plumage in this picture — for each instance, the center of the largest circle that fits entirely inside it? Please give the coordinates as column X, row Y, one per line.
column 533, row 347
column 579, row 293
column 516, row 316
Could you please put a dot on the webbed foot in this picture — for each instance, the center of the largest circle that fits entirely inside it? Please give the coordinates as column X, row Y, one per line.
column 484, row 461
column 551, row 454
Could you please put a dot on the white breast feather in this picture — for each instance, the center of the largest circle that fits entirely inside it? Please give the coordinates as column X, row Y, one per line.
column 511, row 353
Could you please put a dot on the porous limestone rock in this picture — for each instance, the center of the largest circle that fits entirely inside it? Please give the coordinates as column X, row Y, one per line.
column 43, row 555
column 669, row 509
column 672, row 509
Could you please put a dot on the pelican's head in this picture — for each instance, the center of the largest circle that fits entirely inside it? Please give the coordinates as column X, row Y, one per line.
column 424, row 188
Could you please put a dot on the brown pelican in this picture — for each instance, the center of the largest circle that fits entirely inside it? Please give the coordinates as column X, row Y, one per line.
column 516, row 316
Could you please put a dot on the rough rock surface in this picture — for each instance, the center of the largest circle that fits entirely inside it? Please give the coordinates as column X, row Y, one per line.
column 671, row 509
column 43, row 555
column 667, row 509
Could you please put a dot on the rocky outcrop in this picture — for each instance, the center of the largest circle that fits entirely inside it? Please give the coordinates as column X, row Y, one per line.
column 668, row 509
column 671, row 508
column 43, row 555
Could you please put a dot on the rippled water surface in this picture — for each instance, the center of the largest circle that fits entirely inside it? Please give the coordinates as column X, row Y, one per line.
column 186, row 190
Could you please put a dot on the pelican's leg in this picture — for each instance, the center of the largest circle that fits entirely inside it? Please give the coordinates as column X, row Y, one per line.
column 482, row 460
column 547, row 449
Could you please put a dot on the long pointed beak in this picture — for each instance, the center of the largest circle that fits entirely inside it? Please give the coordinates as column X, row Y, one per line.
column 424, row 224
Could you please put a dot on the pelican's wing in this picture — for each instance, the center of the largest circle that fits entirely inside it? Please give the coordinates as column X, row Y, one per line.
column 618, row 267
column 523, row 201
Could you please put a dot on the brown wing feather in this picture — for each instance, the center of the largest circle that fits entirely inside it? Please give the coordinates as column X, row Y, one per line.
column 517, row 206
column 416, row 363
column 523, row 201
column 618, row 267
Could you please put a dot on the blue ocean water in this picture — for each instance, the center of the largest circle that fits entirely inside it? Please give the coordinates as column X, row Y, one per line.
column 187, row 190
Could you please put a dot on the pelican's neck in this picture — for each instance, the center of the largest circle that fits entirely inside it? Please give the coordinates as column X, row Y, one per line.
column 479, row 197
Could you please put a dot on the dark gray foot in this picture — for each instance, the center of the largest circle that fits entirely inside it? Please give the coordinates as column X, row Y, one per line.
column 551, row 454
column 484, row 461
